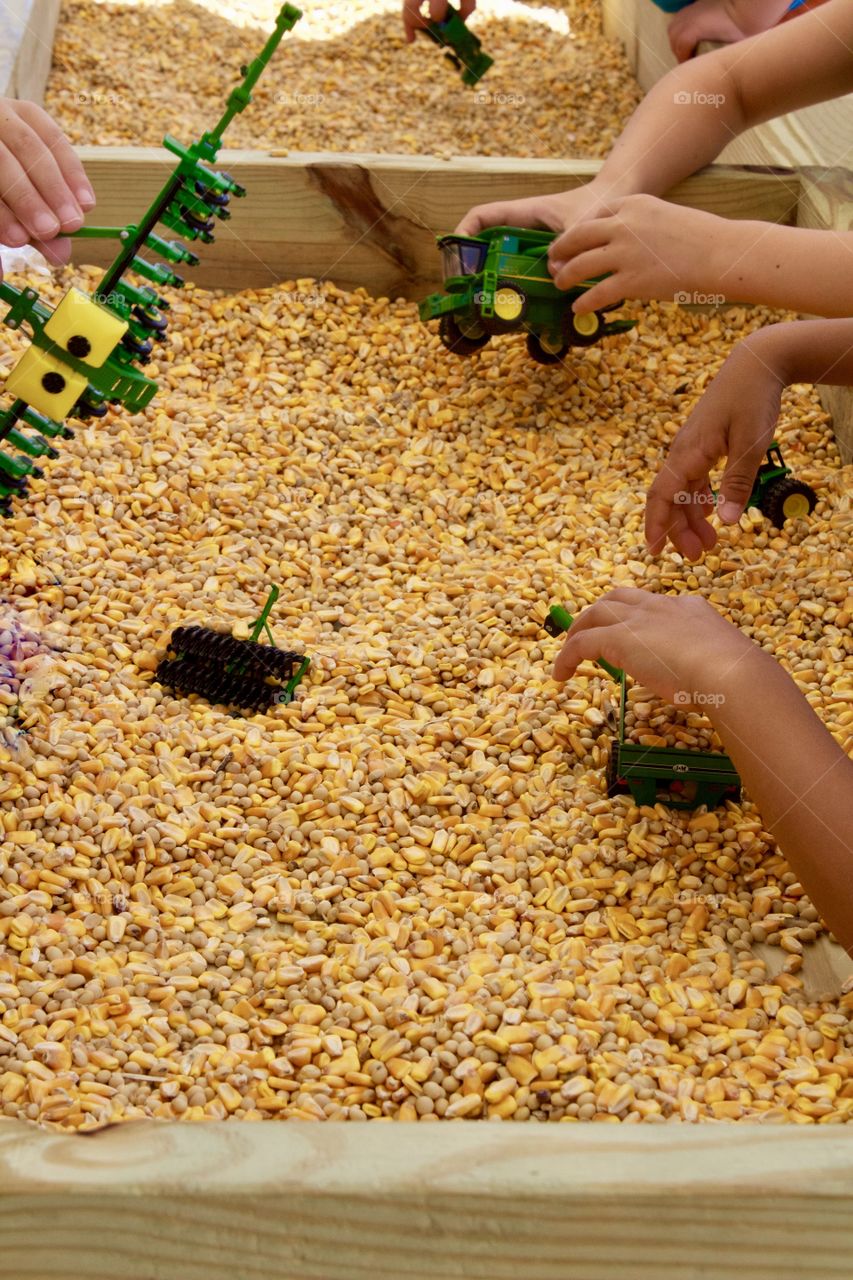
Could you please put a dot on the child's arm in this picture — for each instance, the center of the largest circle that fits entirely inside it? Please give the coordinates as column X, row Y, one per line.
column 726, row 20
column 654, row 249
column 414, row 21
column 736, row 419
column 43, row 189
column 792, row 767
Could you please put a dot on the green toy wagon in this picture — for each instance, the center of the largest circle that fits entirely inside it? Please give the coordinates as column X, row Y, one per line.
column 652, row 775
column 499, row 282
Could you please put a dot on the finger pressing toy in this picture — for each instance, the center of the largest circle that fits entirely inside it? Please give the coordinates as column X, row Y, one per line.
column 224, row 669
column 652, row 775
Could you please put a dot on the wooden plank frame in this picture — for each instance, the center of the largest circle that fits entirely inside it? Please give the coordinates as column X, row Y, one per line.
column 464, row 1200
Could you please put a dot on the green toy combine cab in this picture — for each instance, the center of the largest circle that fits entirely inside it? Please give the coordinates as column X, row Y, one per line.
column 461, row 47
column 659, row 775
column 224, row 669
column 777, row 494
column 499, row 282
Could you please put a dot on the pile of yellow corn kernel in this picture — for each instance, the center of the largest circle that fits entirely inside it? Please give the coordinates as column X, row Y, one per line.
column 343, row 80
column 406, row 895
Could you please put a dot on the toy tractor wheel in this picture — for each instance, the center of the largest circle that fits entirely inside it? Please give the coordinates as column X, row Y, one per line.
column 583, row 329
column 615, row 785
column 540, row 350
column 457, row 341
column 788, row 499
column 510, row 308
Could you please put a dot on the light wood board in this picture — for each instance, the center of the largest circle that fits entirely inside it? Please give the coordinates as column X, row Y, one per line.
column 456, row 1201
column 371, row 220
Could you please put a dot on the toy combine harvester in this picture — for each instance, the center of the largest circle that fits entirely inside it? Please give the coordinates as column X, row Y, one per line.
column 84, row 354
column 499, row 282
column 461, row 47
column 224, row 669
column 652, row 775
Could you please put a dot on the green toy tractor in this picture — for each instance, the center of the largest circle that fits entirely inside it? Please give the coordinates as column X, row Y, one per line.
column 777, row 494
column 499, row 282
column 665, row 775
column 461, row 47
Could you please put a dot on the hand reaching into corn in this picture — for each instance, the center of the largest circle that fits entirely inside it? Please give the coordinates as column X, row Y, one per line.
column 414, row 20
column 656, row 250
column 44, row 192
column 797, row 774
column 736, row 420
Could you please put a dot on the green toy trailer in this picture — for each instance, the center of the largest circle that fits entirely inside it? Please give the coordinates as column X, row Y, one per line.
column 462, row 48
column 499, row 282
column 652, row 775
column 233, row 672
column 83, row 354
column 777, row 494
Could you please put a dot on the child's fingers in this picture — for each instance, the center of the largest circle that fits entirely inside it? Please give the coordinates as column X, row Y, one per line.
column 11, row 231
column 67, row 161
column 49, row 181
column 502, row 213
column 57, row 252
column 586, row 266
column 22, row 195
column 601, row 295
column 592, row 233
column 739, row 478
column 466, row 8
column 588, row 645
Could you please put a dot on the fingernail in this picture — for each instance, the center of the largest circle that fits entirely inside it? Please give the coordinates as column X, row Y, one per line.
column 730, row 512
column 15, row 236
column 44, row 224
column 70, row 214
column 85, row 197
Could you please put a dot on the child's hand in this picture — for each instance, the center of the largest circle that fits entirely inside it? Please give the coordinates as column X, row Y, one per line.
column 43, row 188
column 677, row 645
column 735, row 419
column 555, row 212
column 414, row 21
column 647, row 247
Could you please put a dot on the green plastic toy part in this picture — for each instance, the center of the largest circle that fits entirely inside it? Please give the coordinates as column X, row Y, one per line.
column 462, row 48
column 499, row 282
column 84, row 353
column 560, row 620
column 224, row 669
column 681, row 779
column 777, row 494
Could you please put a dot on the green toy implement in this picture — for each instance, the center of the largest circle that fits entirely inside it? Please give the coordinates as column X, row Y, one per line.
column 224, row 669
column 499, row 282
column 652, row 775
column 461, row 47
column 777, row 494
column 83, row 354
